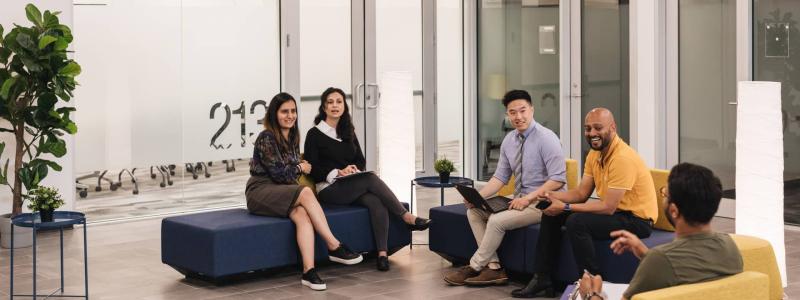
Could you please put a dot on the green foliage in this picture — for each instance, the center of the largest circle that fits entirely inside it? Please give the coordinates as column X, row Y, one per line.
column 44, row 198
column 443, row 165
column 36, row 81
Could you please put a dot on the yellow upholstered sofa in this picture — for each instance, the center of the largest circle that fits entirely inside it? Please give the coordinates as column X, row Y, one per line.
column 572, row 179
column 758, row 256
column 760, row 279
column 746, row 285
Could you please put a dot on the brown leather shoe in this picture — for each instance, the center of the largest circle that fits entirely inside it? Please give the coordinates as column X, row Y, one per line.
column 457, row 277
column 488, row 277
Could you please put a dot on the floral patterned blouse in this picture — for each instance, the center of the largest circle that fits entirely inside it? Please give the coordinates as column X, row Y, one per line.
column 270, row 160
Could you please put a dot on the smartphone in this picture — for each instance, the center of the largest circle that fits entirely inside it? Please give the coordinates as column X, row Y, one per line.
column 543, row 204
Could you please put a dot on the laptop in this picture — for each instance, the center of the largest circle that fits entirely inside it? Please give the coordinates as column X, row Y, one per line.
column 493, row 205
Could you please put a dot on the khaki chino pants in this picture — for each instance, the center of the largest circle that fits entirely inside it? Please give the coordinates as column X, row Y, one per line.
column 489, row 230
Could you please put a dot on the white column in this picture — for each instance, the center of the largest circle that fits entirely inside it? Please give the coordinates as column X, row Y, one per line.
column 647, row 81
column 759, row 165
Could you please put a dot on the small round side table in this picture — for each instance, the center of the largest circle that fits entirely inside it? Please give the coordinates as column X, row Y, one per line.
column 61, row 219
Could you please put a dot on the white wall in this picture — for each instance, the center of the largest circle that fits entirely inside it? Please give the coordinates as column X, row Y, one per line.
column 11, row 12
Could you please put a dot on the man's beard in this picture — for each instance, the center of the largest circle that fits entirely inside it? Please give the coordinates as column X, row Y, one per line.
column 669, row 217
column 604, row 141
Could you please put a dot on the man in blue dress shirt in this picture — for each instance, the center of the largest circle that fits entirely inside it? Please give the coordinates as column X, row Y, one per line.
column 532, row 154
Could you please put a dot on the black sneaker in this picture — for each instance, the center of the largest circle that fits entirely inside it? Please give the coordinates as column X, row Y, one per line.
column 312, row 280
column 344, row 255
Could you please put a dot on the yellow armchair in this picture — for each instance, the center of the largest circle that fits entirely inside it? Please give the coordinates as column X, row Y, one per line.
column 659, row 181
column 758, row 256
column 760, row 279
column 746, row 285
column 572, row 179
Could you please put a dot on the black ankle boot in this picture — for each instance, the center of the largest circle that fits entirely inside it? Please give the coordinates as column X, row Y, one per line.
column 383, row 263
column 539, row 283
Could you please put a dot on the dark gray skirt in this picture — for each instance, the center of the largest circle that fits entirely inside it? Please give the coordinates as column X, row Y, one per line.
column 267, row 198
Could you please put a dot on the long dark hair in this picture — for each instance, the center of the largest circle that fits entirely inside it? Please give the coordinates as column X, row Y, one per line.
column 271, row 123
column 344, row 129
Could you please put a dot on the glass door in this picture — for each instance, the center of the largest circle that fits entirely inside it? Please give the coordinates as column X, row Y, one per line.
column 599, row 66
column 325, row 56
column 776, row 57
column 518, row 48
column 707, row 87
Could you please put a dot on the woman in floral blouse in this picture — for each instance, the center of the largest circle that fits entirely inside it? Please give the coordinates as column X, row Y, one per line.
column 273, row 190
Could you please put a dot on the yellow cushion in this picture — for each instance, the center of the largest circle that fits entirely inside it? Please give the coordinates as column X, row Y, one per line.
column 572, row 179
column 746, row 285
column 660, row 180
column 307, row 181
column 507, row 189
column 572, row 174
column 758, row 256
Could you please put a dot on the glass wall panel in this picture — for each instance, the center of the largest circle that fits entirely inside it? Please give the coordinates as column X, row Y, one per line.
column 324, row 55
column 517, row 49
column 167, row 115
column 449, row 82
column 398, row 47
column 707, row 82
column 777, row 58
column 604, row 61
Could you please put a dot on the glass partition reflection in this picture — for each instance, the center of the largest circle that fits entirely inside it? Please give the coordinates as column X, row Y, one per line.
column 517, row 49
column 167, row 109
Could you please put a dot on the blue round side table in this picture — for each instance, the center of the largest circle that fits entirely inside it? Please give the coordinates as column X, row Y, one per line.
column 434, row 182
column 61, row 219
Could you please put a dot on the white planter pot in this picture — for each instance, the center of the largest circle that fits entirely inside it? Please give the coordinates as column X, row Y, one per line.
column 23, row 236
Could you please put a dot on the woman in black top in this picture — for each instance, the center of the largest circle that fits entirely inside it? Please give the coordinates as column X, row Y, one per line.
column 272, row 189
column 332, row 147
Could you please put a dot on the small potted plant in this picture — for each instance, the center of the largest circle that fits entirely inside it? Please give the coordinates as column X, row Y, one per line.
column 44, row 200
column 444, row 166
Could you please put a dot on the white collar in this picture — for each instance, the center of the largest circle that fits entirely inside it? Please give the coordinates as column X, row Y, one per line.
column 327, row 130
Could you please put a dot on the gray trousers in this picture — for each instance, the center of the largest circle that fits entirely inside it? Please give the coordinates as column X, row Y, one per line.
column 370, row 191
column 489, row 230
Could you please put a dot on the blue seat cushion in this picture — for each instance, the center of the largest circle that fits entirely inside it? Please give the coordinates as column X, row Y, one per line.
column 226, row 242
column 451, row 236
column 351, row 226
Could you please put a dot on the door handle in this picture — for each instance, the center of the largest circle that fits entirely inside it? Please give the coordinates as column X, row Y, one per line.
column 357, row 97
column 733, row 103
column 377, row 95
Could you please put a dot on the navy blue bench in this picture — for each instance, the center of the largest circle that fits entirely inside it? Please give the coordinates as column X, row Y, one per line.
column 217, row 244
column 451, row 237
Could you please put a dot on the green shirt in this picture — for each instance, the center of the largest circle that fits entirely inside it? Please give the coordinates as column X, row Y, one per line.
column 690, row 259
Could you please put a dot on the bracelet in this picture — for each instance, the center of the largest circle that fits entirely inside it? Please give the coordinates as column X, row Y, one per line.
column 592, row 294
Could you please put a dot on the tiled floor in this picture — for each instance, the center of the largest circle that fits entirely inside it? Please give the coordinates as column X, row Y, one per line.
column 124, row 263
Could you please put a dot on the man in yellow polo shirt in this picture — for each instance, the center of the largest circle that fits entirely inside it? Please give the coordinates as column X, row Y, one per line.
column 627, row 202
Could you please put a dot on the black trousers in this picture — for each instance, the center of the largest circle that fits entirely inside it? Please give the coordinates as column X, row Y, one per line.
column 370, row 191
column 581, row 230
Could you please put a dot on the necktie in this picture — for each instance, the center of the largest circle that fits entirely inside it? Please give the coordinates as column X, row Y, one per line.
column 518, row 167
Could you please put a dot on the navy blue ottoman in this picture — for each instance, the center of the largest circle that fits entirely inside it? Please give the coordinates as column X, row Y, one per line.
column 451, row 237
column 216, row 244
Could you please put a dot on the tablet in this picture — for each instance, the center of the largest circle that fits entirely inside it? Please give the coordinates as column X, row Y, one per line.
column 353, row 175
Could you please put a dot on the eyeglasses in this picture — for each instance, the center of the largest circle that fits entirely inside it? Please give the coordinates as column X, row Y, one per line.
column 663, row 192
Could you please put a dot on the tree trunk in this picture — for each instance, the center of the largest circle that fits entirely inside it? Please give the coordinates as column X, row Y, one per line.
column 20, row 139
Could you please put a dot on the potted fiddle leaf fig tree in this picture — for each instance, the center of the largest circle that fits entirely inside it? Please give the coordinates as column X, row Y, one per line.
column 36, row 83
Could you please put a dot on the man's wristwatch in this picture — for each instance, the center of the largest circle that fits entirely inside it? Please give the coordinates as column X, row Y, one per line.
column 566, row 207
